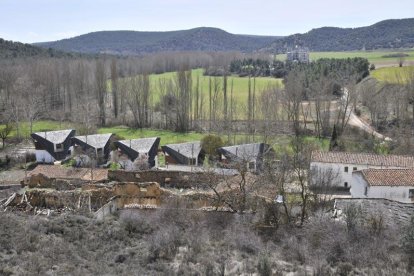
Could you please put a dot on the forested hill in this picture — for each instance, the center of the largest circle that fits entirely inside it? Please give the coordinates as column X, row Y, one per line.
column 393, row 33
column 11, row 49
column 134, row 43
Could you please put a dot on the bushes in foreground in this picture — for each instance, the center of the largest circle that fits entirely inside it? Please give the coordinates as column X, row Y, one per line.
column 197, row 243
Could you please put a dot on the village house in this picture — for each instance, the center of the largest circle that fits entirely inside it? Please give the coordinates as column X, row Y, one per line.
column 392, row 184
column 96, row 146
column 251, row 154
column 144, row 148
column 342, row 164
column 52, row 146
column 189, row 153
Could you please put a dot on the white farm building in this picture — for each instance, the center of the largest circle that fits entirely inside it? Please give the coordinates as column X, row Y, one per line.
column 392, row 184
column 342, row 164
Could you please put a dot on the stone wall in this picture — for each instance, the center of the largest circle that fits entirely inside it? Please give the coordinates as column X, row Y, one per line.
column 176, row 179
column 393, row 212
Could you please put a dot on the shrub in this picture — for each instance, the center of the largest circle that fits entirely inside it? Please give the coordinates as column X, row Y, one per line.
column 264, row 266
column 210, row 144
column 408, row 243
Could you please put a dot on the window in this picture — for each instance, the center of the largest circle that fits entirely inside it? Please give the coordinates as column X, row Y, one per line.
column 99, row 151
column 411, row 193
column 366, row 191
column 59, row 147
column 346, row 184
column 355, row 168
column 346, row 169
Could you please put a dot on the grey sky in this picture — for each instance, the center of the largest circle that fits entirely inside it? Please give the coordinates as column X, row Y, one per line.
column 46, row 20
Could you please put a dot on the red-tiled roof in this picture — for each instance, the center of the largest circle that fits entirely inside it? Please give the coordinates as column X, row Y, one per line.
column 388, row 177
column 363, row 159
column 55, row 171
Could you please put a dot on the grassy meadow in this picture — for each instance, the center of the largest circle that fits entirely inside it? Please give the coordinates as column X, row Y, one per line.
column 240, row 88
column 393, row 74
column 376, row 57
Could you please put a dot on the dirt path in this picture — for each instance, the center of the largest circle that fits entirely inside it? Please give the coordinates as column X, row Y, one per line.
column 355, row 121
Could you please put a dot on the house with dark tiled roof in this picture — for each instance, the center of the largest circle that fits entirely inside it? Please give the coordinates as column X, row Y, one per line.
column 189, row 153
column 52, row 146
column 95, row 145
column 392, row 184
column 342, row 164
column 251, row 154
column 129, row 150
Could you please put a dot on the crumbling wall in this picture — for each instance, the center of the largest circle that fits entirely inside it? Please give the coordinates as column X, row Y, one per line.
column 42, row 181
column 130, row 193
column 393, row 212
column 176, row 179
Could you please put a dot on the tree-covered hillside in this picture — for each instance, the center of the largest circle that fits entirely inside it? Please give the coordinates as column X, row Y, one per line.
column 394, row 33
column 11, row 49
column 134, row 43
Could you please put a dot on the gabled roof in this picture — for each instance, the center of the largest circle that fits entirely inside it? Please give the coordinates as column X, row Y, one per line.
column 142, row 145
column 55, row 137
column 244, row 151
column 188, row 150
column 388, row 177
column 95, row 140
column 363, row 159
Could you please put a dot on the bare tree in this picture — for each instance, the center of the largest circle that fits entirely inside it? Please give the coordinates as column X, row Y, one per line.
column 139, row 100
column 100, row 89
column 292, row 98
column 321, row 94
column 183, row 91
column 114, row 87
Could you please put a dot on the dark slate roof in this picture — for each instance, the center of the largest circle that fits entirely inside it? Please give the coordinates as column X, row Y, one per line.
column 244, row 151
column 55, row 137
column 188, row 150
column 95, row 140
column 142, row 145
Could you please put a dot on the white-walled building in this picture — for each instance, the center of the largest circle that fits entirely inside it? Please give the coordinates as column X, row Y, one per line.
column 392, row 184
column 342, row 164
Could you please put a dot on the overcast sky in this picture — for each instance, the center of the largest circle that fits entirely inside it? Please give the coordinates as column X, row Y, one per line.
column 47, row 20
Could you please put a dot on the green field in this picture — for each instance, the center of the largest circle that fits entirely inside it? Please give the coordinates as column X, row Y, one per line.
column 393, row 74
column 240, row 89
column 375, row 57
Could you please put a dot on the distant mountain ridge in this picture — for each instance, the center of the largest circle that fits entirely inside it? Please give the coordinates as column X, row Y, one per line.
column 135, row 43
column 387, row 34
column 392, row 33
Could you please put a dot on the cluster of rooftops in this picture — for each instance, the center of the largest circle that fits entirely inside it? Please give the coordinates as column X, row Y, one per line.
column 360, row 172
column 54, row 146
